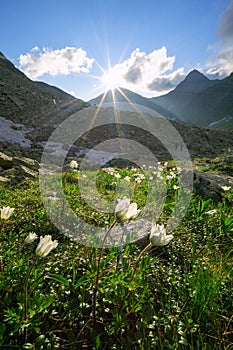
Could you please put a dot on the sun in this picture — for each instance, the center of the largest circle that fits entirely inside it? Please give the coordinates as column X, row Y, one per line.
column 110, row 79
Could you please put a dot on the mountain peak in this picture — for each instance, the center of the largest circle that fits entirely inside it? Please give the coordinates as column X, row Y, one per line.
column 6, row 64
column 193, row 83
column 195, row 75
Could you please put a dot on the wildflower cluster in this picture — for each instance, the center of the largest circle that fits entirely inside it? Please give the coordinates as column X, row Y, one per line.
column 128, row 211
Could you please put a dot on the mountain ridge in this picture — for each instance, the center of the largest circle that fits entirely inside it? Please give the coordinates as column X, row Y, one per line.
column 34, row 109
column 30, row 102
column 196, row 101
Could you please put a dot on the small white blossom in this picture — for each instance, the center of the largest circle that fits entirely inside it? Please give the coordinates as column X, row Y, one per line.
column 122, row 208
column 109, row 170
column 226, row 188
column 211, row 212
column 171, row 176
column 6, row 212
column 126, row 211
column 132, row 212
column 175, row 187
column 45, row 246
column 117, row 176
column 158, row 236
column 127, row 178
column 73, row 164
column 30, row 238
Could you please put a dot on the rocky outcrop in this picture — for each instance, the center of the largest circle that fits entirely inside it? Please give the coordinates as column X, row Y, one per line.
column 6, row 161
column 17, row 168
column 209, row 186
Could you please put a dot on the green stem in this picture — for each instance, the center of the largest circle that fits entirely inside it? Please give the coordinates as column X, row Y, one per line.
column 25, row 313
column 119, row 254
column 144, row 251
column 98, row 274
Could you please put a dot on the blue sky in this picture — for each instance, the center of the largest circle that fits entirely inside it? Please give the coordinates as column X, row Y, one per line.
column 86, row 47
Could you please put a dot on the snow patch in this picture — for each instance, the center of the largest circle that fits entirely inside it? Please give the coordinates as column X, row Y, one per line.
column 14, row 133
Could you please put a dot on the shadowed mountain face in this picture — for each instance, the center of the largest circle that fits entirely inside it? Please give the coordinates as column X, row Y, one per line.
column 32, row 103
column 125, row 95
column 195, row 101
column 200, row 101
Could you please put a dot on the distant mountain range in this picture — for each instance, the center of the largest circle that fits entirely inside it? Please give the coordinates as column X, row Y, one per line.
column 197, row 101
column 40, row 108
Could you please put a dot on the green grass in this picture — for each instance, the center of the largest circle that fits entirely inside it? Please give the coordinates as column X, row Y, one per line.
column 177, row 296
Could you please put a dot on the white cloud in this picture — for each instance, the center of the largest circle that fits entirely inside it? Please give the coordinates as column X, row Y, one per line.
column 167, row 82
column 145, row 72
column 68, row 60
column 225, row 28
column 221, row 64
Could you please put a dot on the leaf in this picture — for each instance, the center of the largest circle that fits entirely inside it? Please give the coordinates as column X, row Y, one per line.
column 80, row 281
column 183, row 341
column 60, row 279
column 39, row 341
column 2, row 330
column 97, row 342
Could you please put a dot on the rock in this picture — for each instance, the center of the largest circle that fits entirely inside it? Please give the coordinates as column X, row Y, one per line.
column 229, row 159
column 16, row 168
column 209, row 186
column 4, row 179
column 24, row 172
column 136, row 232
column 6, row 161
column 28, row 162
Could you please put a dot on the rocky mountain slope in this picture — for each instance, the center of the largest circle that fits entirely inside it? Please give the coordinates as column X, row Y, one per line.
column 33, row 104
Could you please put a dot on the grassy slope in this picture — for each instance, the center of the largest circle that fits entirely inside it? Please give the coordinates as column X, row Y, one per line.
column 175, row 297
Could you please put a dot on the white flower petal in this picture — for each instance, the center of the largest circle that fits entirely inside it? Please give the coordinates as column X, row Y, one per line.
column 30, row 238
column 45, row 246
column 158, row 235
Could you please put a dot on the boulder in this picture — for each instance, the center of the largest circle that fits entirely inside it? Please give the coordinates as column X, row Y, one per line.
column 4, row 179
column 209, row 185
column 6, row 161
column 25, row 172
column 27, row 162
column 16, row 167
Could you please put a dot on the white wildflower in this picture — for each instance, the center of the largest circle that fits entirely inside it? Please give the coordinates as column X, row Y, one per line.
column 158, row 236
column 211, row 212
column 126, row 211
column 226, row 188
column 122, row 208
column 73, row 164
column 45, row 246
column 132, row 212
column 127, row 178
column 117, row 176
column 6, row 212
column 30, row 238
